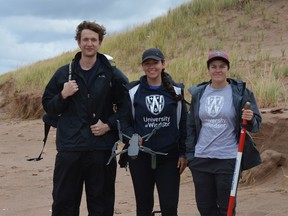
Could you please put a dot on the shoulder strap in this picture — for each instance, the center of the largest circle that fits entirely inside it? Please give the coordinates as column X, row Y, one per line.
column 48, row 126
column 70, row 71
column 46, row 132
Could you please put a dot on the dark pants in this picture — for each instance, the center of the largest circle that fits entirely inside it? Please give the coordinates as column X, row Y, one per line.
column 165, row 176
column 212, row 192
column 72, row 170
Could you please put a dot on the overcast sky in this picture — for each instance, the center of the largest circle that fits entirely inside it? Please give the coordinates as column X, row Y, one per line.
column 32, row 30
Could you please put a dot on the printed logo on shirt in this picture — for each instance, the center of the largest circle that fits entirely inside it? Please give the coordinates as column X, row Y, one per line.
column 155, row 103
column 214, row 105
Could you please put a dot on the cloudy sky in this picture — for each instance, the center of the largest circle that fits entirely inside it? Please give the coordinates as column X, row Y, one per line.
column 32, row 30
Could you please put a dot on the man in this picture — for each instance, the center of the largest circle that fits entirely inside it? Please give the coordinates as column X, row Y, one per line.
column 83, row 94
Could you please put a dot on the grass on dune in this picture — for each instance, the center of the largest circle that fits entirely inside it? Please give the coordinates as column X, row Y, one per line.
column 185, row 35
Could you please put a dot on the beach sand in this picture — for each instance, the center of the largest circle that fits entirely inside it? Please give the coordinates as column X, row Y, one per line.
column 26, row 186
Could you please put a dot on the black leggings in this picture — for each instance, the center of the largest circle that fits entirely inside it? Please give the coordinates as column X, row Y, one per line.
column 167, row 179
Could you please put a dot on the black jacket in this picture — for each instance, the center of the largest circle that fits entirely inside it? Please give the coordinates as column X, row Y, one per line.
column 95, row 100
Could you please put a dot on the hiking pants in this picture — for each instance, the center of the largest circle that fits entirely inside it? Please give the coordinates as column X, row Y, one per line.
column 72, row 170
column 165, row 176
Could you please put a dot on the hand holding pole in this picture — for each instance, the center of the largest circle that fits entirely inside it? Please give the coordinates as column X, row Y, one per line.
column 237, row 165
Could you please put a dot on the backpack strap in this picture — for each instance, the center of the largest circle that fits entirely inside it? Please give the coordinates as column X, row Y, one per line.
column 70, row 71
column 50, row 122
column 46, row 132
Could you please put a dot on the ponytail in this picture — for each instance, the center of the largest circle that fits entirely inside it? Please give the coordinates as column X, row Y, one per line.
column 169, row 86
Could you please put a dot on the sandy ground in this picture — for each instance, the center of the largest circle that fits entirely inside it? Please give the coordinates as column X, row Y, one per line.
column 26, row 186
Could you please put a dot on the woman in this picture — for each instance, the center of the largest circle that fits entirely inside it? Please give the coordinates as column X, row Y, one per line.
column 213, row 131
column 155, row 100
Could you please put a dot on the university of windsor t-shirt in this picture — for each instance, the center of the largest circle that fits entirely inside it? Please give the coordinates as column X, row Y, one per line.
column 217, row 138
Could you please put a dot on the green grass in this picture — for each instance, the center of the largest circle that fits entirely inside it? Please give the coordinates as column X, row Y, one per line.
column 185, row 35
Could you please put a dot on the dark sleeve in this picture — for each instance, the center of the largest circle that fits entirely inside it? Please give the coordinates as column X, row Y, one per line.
column 51, row 100
column 128, row 119
column 182, row 129
column 119, row 91
column 127, row 122
column 254, row 124
column 191, row 133
column 121, row 75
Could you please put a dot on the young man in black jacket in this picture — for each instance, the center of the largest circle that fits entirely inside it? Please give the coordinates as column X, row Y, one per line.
column 84, row 94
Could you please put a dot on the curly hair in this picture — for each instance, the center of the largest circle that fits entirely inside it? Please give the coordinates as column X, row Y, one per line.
column 100, row 29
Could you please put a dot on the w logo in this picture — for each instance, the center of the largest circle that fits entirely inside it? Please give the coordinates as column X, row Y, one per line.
column 155, row 103
column 214, row 105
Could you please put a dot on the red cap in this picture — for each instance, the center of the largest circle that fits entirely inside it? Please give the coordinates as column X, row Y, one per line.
column 218, row 55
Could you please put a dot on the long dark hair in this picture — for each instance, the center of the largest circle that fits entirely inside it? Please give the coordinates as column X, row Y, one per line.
column 168, row 84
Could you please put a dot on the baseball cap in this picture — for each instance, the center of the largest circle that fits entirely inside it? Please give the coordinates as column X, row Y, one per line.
column 218, row 55
column 152, row 53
